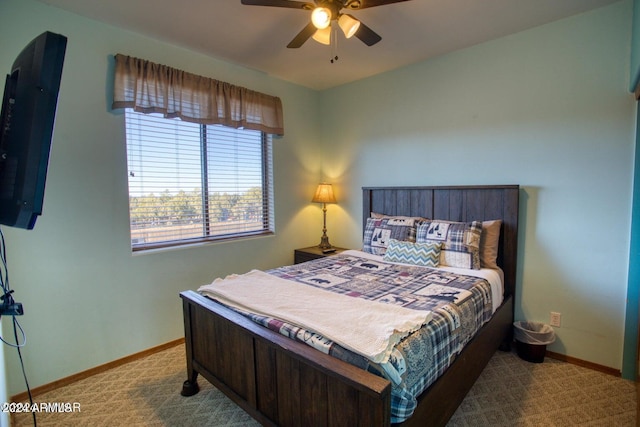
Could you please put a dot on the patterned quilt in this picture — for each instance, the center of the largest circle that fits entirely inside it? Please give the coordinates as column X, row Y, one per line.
column 460, row 305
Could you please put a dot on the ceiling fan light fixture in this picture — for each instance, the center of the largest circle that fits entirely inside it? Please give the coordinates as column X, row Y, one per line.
column 321, row 17
column 349, row 25
column 323, row 36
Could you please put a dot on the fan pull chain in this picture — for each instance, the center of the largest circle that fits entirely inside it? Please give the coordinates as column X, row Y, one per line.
column 334, row 43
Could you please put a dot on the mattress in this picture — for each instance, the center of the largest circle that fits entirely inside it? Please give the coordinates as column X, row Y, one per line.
column 461, row 302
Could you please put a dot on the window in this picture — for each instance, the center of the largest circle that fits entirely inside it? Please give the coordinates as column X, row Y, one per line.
column 191, row 183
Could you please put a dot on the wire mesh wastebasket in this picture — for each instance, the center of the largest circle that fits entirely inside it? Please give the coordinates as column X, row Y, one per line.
column 532, row 339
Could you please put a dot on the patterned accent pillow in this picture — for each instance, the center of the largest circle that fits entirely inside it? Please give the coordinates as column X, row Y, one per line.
column 461, row 241
column 422, row 254
column 379, row 231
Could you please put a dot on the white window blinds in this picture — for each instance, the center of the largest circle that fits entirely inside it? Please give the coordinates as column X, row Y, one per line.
column 190, row 183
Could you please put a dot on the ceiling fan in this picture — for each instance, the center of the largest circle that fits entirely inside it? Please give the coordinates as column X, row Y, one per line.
column 323, row 12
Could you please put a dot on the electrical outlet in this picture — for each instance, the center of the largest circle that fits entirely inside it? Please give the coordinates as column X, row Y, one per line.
column 555, row 319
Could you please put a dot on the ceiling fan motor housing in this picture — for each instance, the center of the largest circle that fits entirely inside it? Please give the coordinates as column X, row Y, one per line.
column 353, row 4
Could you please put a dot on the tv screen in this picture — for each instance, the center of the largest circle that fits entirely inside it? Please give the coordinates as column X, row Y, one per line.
column 26, row 128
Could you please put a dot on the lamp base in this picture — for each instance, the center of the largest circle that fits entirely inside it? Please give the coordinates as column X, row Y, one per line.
column 324, row 242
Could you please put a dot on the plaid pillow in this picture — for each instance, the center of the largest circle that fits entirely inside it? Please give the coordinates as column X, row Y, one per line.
column 422, row 254
column 379, row 231
column 461, row 241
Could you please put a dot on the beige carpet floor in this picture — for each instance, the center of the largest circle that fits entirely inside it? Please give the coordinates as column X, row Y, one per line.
column 510, row 392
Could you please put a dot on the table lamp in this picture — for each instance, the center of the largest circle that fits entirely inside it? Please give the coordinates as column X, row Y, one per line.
column 324, row 195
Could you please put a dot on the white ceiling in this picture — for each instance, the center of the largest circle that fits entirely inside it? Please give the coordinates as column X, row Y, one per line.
column 256, row 36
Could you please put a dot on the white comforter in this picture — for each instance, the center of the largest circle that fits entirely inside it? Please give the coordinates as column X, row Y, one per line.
column 368, row 328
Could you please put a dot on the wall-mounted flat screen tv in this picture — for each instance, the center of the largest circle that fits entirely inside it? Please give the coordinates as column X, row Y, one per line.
column 26, row 128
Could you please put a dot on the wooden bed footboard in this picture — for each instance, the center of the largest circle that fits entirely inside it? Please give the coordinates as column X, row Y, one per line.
column 276, row 380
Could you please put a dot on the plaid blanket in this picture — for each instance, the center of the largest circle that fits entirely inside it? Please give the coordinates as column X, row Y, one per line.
column 460, row 305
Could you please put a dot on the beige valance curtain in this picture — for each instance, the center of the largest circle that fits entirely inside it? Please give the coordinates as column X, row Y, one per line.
column 152, row 88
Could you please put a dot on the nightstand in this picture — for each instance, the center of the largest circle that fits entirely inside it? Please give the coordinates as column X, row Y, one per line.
column 312, row 252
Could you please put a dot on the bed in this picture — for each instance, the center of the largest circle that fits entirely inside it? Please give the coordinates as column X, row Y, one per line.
column 280, row 381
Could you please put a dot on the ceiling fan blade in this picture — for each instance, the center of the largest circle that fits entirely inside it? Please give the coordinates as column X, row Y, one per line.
column 279, row 3
column 302, row 36
column 363, row 4
column 367, row 35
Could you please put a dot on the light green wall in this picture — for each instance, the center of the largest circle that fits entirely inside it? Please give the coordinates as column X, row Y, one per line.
column 87, row 300
column 546, row 108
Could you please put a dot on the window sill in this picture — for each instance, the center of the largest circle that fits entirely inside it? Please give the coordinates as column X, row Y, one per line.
column 196, row 243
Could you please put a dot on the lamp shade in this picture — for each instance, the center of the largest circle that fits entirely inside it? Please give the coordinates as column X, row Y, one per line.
column 349, row 25
column 324, row 194
column 321, row 17
column 323, row 36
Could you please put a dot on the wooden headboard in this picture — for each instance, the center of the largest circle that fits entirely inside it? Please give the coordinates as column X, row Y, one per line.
column 458, row 203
